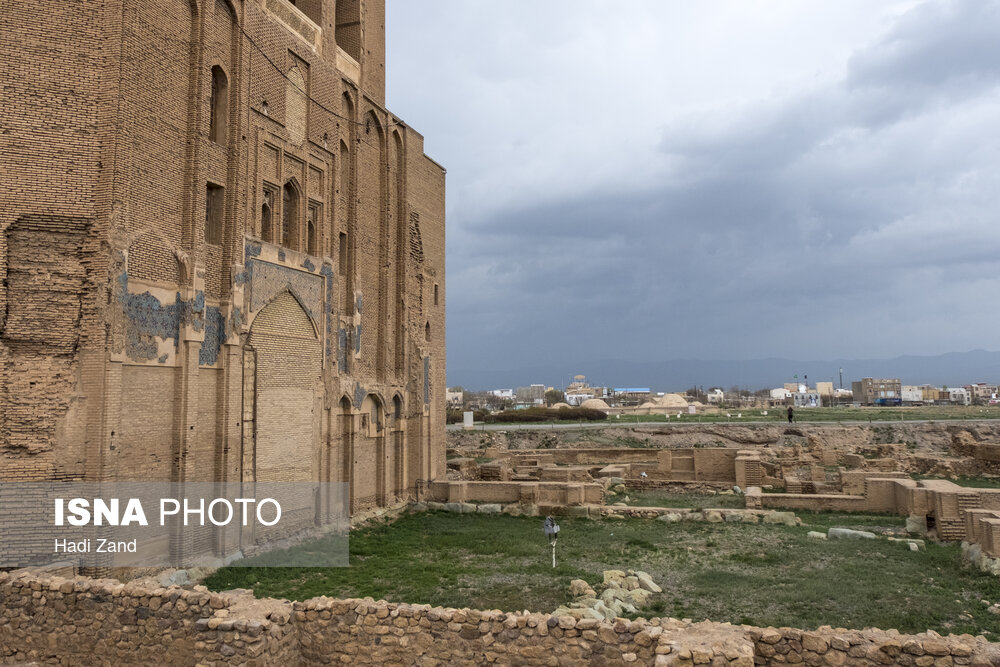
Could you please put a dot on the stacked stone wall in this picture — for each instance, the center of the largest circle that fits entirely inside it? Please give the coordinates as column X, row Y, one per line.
column 80, row 621
column 828, row 646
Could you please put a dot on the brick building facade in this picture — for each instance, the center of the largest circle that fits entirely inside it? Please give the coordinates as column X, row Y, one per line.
column 222, row 257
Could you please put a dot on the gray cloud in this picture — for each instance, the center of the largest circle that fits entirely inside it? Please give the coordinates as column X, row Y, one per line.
column 842, row 203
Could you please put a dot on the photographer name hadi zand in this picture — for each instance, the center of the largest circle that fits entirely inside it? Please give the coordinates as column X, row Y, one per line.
column 197, row 512
column 98, row 546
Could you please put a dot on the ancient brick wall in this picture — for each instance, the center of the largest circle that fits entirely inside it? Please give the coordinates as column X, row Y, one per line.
column 53, row 170
column 175, row 167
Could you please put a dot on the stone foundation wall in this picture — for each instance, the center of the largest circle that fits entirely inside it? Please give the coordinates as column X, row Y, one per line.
column 84, row 621
column 828, row 646
column 809, row 501
column 533, row 493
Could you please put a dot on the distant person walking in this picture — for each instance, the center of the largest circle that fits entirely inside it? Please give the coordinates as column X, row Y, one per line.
column 791, row 414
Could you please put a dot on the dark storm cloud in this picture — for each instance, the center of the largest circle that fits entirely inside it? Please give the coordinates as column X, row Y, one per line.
column 852, row 213
column 934, row 45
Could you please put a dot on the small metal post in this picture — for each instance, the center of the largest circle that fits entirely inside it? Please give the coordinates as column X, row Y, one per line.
column 551, row 530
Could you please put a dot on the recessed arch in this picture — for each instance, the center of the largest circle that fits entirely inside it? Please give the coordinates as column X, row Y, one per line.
column 296, row 104
column 266, row 213
column 372, row 123
column 398, row 467
column 346, row 436
column 312, row 235
column 218, row 128
column 399, row 254
column 284, row 294
column 288, row 379
column 291, row 205
column 373, row 413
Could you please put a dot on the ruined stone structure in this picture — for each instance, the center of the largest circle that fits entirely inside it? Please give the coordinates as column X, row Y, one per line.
column 222, row 258
column 568, row 480
column 100, row 620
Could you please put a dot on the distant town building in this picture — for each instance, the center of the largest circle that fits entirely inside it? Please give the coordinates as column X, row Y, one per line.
column 931, row 395
column 806, row 399
column 454, row 398
column 502, row 393
column 981, row 392
column 780, row 394
column 824, row 388
column 631, row 395
column 532, row 394
column 579, row 391
column 878, row 391
column 716, row 396
column 959, row 396
column 912, row 395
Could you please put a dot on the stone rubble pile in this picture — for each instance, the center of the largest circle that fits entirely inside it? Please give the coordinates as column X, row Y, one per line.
column 849, row 534
column 625, row 592
column 726, row 515
column 973, row 553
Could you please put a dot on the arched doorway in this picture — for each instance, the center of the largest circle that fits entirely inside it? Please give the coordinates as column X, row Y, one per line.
column 369, row 474
column 346, row 437
column 399, row 448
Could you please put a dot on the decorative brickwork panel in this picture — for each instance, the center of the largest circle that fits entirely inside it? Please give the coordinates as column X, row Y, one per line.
column 288, row 373
column 295, row 104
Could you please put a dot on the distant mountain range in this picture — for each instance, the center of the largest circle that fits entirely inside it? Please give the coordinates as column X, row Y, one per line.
column 951, row 369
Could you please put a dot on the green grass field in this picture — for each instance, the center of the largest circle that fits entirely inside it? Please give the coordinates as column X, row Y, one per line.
column 741, row 573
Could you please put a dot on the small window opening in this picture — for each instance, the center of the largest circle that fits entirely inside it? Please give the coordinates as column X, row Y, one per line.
column 214, row 199
column 289, row 216
column 312, row 218
column 427, row 332
column 345, row 170
column 219, row 106
column 342, row 254
column 265, row 215
column 435, row 294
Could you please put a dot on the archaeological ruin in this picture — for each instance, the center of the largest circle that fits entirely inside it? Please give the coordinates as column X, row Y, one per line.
column 851, row 469
column 223, row 261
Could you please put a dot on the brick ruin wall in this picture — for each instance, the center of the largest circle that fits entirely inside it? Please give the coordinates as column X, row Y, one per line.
column 55, row 619
column 958, row 513
column 131, row 343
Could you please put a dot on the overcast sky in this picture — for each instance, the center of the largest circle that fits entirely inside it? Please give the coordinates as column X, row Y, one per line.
column 661, row 179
